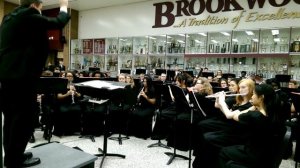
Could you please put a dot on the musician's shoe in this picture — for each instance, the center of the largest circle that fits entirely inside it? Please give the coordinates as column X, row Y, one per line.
column 31, row 162
column 32, row 139
column 27, row 155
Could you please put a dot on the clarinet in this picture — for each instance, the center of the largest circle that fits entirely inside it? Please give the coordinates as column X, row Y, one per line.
column 139, row 96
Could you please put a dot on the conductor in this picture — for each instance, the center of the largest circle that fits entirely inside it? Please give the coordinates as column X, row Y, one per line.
column 23, row 53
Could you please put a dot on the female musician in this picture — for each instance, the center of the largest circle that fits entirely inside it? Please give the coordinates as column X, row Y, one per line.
column 217, row 132
column 202, row 89
column 140, row 120
column 263, row 122
column 68, row 109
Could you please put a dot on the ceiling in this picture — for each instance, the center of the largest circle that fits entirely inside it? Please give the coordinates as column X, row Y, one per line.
column 82, row 5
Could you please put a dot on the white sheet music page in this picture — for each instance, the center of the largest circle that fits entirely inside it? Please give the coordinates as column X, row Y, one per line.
column 101, row 84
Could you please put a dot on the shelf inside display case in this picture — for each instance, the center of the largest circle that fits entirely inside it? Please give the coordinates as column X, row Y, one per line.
column 266, row 51
column 175, row 44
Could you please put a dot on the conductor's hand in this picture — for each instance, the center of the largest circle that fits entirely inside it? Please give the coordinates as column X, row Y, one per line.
column 63, row 3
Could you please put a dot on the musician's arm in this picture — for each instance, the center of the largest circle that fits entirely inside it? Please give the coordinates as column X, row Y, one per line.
column 150, row 100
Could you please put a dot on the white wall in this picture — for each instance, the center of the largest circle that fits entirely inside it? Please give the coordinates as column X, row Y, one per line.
column 138, row 19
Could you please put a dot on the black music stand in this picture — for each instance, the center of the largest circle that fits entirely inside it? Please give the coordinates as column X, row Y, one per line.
column 85, row 79
column 159, row 87
column 50, row 87
column 120, row 138
column 180, row 100
column 99, row 89
column 194, row 104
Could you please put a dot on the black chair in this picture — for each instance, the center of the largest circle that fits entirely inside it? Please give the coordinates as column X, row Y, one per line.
column 50, row 86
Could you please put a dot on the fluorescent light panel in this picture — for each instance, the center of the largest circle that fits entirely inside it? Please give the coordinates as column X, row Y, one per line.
column 249, row 33
column 275, row 32
column 225, row 33
column 203, row 34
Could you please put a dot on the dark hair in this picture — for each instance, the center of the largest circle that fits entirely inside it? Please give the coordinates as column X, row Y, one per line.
column 236, row 80
column 271, row 102
column 148, row 80
column 29, row 2
column 272, row 81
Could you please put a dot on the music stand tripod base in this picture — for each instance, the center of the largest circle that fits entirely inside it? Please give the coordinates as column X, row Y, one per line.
column 119, row 138
column 173, row 155
column 159, row 144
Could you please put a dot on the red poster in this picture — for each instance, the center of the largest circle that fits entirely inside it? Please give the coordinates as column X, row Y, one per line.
column 87, row 46
column 99, row 46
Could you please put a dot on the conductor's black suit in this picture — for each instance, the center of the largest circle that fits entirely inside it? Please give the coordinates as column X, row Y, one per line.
column 23, row 52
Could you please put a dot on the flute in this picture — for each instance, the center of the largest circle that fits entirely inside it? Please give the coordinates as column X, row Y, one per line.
column 228, row 95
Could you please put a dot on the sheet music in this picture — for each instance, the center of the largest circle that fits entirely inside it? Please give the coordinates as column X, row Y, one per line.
column 102, row 84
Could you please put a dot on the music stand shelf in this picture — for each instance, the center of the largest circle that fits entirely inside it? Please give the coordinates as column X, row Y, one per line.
column 95, row 89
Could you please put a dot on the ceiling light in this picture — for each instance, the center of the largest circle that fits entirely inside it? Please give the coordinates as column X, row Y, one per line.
column 225, row 33
column 277, row 39
column 197, row 41
column 249, row 33
column 275, row 32
column 203, row 34
column 214, row 41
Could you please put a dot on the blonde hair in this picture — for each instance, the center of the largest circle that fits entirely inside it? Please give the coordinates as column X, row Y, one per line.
column 207, row 88
column 251, row 86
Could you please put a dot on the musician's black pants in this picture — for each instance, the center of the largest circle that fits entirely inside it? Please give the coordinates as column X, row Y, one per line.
column 17, row 101
column 140, row 122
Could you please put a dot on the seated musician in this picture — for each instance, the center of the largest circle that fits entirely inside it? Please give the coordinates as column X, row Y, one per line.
column 201, row 89
column 180, row 121
column 140, row 120
column 264, row 128
column 69, row 109
column 216, row 132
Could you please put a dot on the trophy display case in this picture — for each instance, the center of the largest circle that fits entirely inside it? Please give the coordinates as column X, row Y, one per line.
column 218, row 63
column 76, row 47
column 274, row 40
column 99, row 62
column 269, row 67
column 157, row 45
column 140, row 61
column 140, row 45
column 175, row 44
column 125, row 45
column 266, row 52
column 196, row 43
column 295, row 41
column 194, row 63
column 175, row 62
column 111, row 45
column 243, row 63
column 156, row 61
column 245, row 41
column 218, row 42
column 111, row 62
column 294, row 64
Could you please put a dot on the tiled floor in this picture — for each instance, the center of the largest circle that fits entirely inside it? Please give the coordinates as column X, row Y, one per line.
column 138, row 155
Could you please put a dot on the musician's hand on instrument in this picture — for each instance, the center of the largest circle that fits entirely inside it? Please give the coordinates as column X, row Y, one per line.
column 70, row 92
column 72, row 87
column 222, row 96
